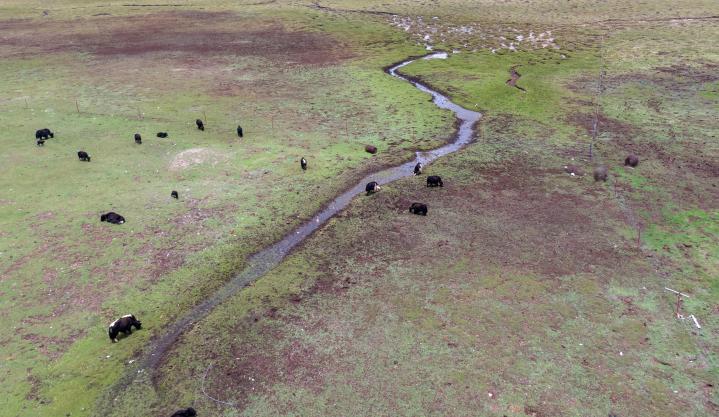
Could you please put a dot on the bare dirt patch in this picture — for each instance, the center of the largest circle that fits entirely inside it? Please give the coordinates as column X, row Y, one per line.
column 194, row 34
column 195, row 156
column 514, row 76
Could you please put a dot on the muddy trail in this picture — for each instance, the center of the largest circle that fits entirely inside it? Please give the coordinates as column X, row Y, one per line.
column 514, row 77
column 262, row 262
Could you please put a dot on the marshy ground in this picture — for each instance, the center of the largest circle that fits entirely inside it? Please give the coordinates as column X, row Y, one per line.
column 525, row 291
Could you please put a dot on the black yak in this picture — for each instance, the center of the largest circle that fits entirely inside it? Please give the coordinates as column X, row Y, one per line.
column 112, row 217
column 123, row 324
column 631, row 160
column 44, row 134
column 601, row 173
column 40, row 142
column 418, row 208
column 185, row 412
column 239, row 130
column 303, row 163
column 434, row 181
column 138, row 139
column 418, row 168
column 199, row 124
column 370, row 149
column 174, row 194
column 161, row 134
column 372, row 187
column 83, row 156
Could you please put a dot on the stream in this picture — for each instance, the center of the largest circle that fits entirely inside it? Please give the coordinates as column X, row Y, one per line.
column 262, row 262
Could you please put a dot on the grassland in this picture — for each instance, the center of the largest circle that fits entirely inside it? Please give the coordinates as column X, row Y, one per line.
column 65, row 275
column 522, row 293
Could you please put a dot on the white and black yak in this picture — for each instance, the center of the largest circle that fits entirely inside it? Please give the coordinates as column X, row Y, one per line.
column 123, row 325
column 303, row 164
column 112, row 217
column 83, row 156
column 418, row 168
column 372, row 187
column 44, row 134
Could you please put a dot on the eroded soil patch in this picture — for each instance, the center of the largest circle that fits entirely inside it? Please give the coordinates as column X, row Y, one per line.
column 197, row 34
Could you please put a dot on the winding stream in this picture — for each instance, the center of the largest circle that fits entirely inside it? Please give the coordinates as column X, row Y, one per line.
column 262, row 262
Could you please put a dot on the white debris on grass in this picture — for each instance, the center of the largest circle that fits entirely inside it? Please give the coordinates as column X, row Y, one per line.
column 473, row 36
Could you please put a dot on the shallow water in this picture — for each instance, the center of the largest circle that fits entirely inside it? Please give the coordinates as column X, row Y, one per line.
column 262, row 262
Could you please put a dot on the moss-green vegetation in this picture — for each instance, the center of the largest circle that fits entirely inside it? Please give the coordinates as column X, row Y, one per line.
column 523, row 282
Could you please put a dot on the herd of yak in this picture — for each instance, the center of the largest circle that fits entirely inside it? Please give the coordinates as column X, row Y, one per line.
column 125, row 323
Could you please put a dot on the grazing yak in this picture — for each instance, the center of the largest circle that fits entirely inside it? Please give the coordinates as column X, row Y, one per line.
column 239, row 130
column 138, row 139
column 601, row 173
column 632, row 161
column 370, row 149
column 185, row 412
column 161, row 134
column 174, row 195
column 303, row 163
column 418, row 168
column 418, row 208
column 123, row 324
column 83, row 156
column 112, row 217
column 199, row 124
column 372, row 187
column 434, row 181
column 44, row 134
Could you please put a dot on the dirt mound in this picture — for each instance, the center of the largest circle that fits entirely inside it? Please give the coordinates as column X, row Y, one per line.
column 195, row 156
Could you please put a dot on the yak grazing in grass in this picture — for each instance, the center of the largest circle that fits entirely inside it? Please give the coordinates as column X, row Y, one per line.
column 434, row 181
column 372, row 187
column 631, row 160
column 123, row 324
column 418, row 208
column 185, row 412
column 112, row 217
column 83, row 156
column 44, row 134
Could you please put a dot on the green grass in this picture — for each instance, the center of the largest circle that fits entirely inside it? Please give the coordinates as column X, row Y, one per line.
column 68, row 275
column 411, row 334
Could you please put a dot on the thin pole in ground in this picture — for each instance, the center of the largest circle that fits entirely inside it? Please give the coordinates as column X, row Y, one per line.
column 77, row 106
column 679, row 301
